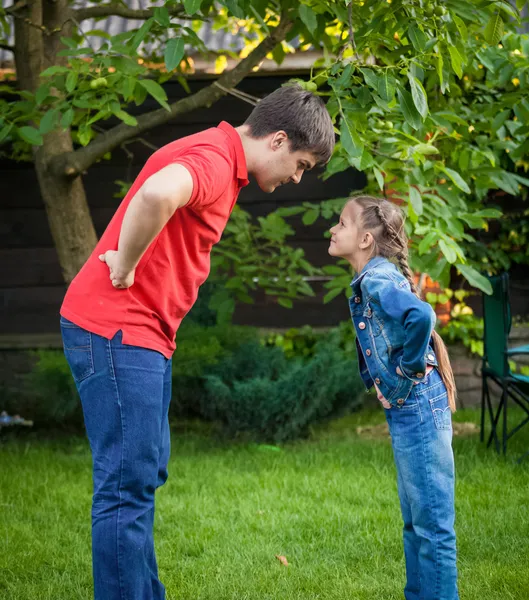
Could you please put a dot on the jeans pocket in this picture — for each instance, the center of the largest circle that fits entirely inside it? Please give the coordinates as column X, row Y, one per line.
column 77, row 344
column 442, row 415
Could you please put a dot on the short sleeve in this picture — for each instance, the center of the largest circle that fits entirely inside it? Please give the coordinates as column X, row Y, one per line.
column 211, row 172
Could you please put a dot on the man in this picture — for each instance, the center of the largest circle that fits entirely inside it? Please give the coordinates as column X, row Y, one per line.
column 121, row 313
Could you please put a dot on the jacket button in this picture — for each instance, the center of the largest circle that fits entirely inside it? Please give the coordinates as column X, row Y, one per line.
column 419, row 375
column 362, row 325
column 377, row 381
column 368, row 352
column 357, row 299
column 431, row 357
column 400, row 401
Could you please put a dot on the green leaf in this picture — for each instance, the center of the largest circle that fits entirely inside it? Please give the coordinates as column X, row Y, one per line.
column 4, row 132
column 289, row 211
column 71, row 81
column 426, row 149
column 379, row 177
column 125, row 117
column 428, row 241
column 42, row 93
column 413, row 118
column 455, row 58
column 457, row 179
column 67, row 118
column 161, row 16
column 335, row 270
column 331, row 295
column 31, row 135
column 48, row 121
column 370, row 78
column 448, row 251
column 141, row 34
column 417, row 37
column 235, row 9
column 308, row 16
column 386, row 86
column 419, row 96
column 494, row 29
column 416, row 200
column 439, row 66
column 174, row 52
column 351, row 143
column 500, row 119
column 156, row 91
column 461, row 27
column 286, row 302
column 475, row 278
column 310, row 216
column 55, row 70
column 192, row 6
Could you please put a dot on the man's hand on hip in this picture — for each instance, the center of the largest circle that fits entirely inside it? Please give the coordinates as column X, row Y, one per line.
column 121, row 278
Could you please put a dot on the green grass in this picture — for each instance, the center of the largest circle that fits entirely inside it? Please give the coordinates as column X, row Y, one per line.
column 329, row 504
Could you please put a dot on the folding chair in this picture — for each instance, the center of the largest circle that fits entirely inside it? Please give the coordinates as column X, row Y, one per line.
column 514, row 387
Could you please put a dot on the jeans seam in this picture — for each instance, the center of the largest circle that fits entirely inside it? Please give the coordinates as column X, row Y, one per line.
column 430, row 512
column 118, row 544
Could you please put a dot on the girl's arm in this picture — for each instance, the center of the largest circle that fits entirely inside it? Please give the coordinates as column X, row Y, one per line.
column 416, row 317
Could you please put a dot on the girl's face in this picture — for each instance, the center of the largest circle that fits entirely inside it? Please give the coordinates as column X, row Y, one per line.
column 346, row 234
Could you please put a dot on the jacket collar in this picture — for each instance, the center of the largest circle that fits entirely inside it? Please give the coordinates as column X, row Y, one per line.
column 370, row 265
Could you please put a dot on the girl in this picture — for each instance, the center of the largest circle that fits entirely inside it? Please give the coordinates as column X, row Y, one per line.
column 405, row 359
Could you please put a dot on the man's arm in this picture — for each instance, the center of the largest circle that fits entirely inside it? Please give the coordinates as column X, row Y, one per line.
column 147, row 214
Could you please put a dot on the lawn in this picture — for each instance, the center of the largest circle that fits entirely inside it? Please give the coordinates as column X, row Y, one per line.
column 328, row 504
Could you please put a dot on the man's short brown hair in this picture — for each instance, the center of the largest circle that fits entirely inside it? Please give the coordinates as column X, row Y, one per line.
column 301, row 115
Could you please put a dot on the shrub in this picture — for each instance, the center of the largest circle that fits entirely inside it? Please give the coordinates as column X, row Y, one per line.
column 257, row 391
column 46, row 394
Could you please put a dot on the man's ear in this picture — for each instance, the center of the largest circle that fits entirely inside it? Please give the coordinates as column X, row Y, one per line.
column 367, row 240
column 279, row 140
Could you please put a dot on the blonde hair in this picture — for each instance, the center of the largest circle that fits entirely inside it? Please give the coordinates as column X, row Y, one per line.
column 385, row 221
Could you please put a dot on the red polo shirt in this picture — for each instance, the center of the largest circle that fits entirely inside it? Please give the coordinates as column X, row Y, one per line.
column 177, row 262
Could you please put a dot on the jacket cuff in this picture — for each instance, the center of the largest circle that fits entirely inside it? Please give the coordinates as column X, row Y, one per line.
column 416, row 376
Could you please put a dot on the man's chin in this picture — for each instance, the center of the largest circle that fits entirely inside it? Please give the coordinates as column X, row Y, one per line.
column 266, row 187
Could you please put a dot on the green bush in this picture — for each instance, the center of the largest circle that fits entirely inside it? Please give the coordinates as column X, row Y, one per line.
column 46, row 394
column 259, row 392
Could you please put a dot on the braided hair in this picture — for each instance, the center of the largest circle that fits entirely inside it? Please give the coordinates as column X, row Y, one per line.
column 385, row 221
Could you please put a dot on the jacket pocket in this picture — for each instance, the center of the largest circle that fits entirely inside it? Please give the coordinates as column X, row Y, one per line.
column 77, row 344
column 376, row 324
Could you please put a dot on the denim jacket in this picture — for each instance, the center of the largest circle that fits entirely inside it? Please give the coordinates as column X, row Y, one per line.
column 393, row 329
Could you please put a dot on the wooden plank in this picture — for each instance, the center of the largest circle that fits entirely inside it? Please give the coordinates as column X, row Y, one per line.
column 23, row 267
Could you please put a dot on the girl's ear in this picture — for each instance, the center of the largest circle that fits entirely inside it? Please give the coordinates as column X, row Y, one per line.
column 366, row 240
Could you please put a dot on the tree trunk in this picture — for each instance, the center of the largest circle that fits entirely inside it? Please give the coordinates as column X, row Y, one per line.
column 69, row 217
column 68, row 214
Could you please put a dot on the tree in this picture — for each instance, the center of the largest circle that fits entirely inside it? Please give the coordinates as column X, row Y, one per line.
column 395, row 74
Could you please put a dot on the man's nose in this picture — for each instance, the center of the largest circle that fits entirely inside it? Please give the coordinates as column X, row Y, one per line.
column 296, row 178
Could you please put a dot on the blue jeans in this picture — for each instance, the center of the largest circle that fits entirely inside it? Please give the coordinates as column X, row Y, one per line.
column 125, row 393
column 421, row 435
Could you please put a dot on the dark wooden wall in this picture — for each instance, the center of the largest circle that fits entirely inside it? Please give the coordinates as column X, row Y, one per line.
column 31, row 287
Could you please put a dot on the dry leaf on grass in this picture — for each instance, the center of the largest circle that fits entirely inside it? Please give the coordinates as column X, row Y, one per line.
column 282, row 559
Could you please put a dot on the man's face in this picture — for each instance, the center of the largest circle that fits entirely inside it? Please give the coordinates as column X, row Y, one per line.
column 279, row 165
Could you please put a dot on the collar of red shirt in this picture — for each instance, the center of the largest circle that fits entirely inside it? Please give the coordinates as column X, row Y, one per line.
column 242, row 169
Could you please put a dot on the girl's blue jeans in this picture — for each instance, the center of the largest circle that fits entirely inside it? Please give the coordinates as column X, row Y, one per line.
column 125, row 393
column 421, row 435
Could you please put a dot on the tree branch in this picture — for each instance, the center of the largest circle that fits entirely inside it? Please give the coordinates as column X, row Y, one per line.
column 7, row 47
column 71, row 164
column 118, row 10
